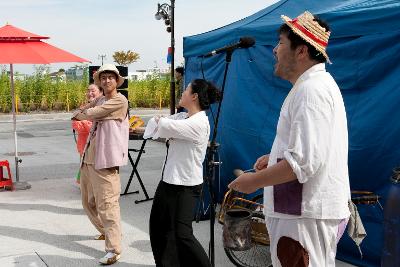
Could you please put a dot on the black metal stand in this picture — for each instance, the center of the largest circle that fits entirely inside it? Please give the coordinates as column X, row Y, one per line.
column 135, row 172
column 212, row 163
column 132, row 173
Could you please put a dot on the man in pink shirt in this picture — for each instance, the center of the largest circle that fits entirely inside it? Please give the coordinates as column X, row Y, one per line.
column 106, row 149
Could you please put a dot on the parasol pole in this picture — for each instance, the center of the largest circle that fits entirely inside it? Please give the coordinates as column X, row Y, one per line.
column 14, row 122
column 17, row 185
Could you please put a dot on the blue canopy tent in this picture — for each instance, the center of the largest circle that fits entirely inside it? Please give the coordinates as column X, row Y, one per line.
column 364, row 48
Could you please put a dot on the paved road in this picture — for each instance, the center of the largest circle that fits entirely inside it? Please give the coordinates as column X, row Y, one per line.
column 46, row 145
column 46, row 226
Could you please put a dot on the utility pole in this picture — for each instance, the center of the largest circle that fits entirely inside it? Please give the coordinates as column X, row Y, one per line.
column 102, row 58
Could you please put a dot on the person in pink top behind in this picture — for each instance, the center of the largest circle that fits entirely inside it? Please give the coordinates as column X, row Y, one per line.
column 82, row 128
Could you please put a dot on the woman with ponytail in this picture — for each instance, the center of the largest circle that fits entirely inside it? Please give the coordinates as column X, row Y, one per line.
column 171, row 232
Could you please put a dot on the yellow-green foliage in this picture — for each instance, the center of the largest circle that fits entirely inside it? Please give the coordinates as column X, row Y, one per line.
column 5, row 96
column 150, row 93
column 40, row 92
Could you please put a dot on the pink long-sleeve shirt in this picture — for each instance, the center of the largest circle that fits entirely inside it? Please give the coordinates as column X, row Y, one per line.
column 107, row 145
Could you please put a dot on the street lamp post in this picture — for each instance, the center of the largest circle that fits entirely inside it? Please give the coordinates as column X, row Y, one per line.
column 166, row 12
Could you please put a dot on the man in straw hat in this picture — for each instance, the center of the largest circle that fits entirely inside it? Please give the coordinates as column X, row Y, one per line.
column 106, row 149
column 305, row 176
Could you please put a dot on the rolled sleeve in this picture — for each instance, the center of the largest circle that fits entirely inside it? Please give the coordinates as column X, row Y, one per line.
column 179, row 126
column 309, row 140
column 80, row 114
column 104, row 110
column 181, row 129
column 151, row 129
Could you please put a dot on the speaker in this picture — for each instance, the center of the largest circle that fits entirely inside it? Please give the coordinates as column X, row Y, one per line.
column 92, row 70
column 124, row 92
column 123, row 71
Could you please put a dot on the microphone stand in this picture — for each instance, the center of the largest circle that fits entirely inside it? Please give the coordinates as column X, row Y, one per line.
column 212, row 163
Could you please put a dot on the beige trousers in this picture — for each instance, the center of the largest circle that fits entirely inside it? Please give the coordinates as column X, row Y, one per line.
column 100, row 191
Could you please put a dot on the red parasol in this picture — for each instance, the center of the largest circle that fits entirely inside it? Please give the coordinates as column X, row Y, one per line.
column 22, row 47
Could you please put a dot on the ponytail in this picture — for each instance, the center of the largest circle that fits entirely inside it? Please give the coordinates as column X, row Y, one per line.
column 207, row 92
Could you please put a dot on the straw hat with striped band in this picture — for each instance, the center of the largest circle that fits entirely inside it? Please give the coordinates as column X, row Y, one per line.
column 307, row 28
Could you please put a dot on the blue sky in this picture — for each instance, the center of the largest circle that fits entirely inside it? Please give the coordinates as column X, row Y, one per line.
column 90, row 28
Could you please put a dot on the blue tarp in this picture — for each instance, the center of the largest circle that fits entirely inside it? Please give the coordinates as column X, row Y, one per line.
column 365, row 51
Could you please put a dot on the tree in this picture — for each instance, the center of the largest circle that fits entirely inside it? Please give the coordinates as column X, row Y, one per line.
column 125, row 58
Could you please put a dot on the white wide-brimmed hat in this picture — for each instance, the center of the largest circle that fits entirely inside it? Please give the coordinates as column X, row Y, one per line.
column 108, row 67
column 307, row 28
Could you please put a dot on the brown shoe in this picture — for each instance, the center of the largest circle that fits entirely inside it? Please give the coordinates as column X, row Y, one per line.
column 110, row 258
column 100, row 237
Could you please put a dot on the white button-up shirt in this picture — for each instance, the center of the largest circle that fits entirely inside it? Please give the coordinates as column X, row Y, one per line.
column 188, row 139
column 312, row 137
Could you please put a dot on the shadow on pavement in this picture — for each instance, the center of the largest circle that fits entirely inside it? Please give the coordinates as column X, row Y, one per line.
column 66, row 242
column 141, row 245
column 41, row 207
column 53, row 260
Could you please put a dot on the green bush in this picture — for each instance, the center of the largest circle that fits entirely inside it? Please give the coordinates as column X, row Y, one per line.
column 40, row 92
column 5, row 94
column 151, row 93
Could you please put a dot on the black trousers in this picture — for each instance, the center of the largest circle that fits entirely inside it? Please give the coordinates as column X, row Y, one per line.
column 171, row 232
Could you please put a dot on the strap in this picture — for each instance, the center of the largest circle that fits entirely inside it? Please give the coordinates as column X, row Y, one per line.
column 165, row 162
column 74, row 133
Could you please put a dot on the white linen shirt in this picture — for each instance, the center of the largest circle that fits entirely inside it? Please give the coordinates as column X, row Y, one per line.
column 312, row 136
column 188, row 139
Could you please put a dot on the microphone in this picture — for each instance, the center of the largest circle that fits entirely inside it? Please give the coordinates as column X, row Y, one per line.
column 244, row 42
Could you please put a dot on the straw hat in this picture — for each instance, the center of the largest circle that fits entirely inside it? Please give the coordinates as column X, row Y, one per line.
column 108, row 67
column 307, row 28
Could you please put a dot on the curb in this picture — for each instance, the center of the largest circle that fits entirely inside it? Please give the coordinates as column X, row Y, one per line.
column 8, row 118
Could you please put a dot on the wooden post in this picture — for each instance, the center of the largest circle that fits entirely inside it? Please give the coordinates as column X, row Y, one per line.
column 16, row 104
column 67, row 103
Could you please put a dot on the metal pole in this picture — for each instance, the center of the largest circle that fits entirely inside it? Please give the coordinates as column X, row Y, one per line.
column 172, row 84
column 102, row 57
column 212, row 163
column 14, row 122
column 17, row 185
